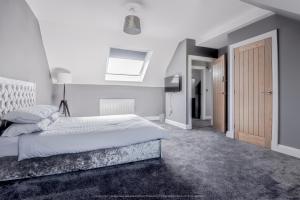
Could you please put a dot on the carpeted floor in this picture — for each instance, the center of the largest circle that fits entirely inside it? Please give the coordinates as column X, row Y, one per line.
column 198, row 164
column 199, row 123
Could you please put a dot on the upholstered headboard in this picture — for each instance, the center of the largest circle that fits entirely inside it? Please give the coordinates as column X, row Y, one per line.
column 15, row 94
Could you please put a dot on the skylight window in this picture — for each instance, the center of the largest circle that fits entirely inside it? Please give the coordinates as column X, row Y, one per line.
column 127, row 65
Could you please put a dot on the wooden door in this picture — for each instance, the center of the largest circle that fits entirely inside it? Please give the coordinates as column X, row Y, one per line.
column 253, row 93
column 219, row 94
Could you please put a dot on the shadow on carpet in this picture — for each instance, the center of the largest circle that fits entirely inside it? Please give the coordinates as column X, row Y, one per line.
column 142, row 180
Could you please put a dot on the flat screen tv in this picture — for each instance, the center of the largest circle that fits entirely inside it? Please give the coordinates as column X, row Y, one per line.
column 173, row 83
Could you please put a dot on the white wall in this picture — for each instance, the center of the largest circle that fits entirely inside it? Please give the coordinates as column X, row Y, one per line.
column 84, row 51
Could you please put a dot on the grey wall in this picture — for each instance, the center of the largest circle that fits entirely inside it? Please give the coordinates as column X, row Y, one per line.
column 192, row 49
column 176, row 102
column 22, row 54
column 223, row 50
column 83, row 100
column 289, row 71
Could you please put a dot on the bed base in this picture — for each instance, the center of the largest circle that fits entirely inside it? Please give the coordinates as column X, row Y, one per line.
column 11, row 169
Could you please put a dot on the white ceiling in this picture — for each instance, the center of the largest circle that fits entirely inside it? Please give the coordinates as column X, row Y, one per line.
column 77, row 34
column 289, row 8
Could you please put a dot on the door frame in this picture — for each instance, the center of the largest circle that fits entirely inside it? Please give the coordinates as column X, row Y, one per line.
column 275, row 107
column 203, row 93
column 189, row 94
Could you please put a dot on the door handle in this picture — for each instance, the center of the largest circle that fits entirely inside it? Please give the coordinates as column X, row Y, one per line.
column 269, row 92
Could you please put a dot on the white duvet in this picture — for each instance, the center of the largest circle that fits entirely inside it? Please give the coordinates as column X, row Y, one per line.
column 80, row 134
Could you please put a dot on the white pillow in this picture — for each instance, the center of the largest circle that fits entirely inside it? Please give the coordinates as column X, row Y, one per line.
column 31, row 115
column 19, row 129
column 54, row 116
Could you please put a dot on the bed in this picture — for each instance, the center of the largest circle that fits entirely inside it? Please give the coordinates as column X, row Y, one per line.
column 72, row 144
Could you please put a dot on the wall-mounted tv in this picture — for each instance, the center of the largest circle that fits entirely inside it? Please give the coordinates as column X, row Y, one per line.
column 173, row 83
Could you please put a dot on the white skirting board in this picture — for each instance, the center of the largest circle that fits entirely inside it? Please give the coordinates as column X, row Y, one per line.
column 207, row 117
column 152, row 118
column 229, row 134
column 291, row 151
column 178, row 124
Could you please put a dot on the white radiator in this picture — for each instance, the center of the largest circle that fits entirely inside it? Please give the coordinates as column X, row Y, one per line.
column 117, row 106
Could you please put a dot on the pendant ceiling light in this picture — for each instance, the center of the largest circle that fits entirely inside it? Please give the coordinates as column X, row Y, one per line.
column 132, row 23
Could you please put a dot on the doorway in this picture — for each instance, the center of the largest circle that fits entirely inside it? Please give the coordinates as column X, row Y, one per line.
column 197, row 80
column 200, row 92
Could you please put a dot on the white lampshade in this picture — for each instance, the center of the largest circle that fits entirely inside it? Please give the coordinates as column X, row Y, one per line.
column 64, row 78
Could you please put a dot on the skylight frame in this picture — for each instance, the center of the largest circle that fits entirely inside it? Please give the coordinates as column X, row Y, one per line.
column 128, row 77
column 140, row 67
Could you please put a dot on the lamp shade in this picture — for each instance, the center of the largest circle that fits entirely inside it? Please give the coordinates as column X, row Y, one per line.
column 64, row 78
column 132, row 25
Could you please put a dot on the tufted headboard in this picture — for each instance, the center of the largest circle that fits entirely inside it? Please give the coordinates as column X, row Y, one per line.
column 15, row 94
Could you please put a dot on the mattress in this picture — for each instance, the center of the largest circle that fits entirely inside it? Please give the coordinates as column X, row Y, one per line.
column 81, row 134
column 8, row 146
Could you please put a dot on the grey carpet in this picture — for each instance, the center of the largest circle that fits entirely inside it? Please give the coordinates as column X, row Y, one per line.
column 197, row 164
column 198, row 123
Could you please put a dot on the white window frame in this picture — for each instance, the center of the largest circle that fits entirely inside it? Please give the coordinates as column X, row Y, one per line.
column 128, row 78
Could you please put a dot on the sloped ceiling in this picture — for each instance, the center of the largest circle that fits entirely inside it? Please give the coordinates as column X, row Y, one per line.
column 289, row 8
column 77, row 34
